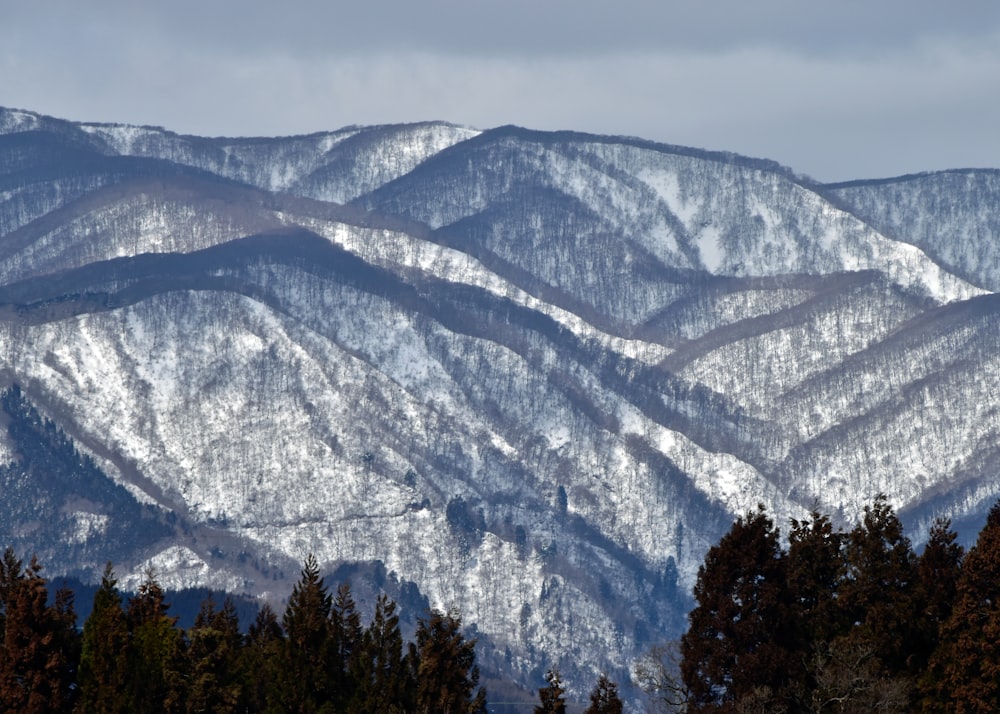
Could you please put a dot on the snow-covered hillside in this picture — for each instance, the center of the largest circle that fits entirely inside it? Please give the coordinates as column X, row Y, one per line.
column 534, row 374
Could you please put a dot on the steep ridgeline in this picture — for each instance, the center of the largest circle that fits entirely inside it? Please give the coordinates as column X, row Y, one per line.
column 535, row 374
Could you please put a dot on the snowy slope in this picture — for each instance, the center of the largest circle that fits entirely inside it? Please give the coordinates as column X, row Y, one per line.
column 534, row 374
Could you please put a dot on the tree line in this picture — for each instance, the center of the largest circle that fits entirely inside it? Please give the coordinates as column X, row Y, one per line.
column 839, row 622
column 132, row 657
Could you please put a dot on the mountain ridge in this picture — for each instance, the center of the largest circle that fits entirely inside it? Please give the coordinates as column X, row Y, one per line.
column 534, row 373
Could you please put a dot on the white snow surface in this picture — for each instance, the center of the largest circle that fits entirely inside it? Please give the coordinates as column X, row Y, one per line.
column 692, row 336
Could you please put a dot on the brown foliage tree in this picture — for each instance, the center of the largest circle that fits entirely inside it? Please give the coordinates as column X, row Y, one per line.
column 740, row 635
column 39, row 647
column 967, row 661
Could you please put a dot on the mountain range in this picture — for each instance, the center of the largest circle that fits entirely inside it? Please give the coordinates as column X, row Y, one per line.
column 530, row 375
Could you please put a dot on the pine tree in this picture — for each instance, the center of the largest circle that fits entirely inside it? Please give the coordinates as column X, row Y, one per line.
column 604, row 698
column 38, row 656
column 104, row 661
column 553, row 695
column 303, row 679
column 345, row 640
column 967, row 660
column 879, row 592
column 156, row 650
column 260, row 661
column 379, row 671
column 447, row 675
column 938, row 570
column 816, row 571
column 740, row 636
column 213, row 676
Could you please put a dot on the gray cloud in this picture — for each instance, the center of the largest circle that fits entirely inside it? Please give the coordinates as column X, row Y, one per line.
column 850, row 90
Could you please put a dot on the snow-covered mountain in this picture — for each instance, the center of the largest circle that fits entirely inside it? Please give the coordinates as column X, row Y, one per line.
column 535, row 374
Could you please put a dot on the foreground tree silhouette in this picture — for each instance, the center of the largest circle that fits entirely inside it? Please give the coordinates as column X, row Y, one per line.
column 259, row 661
column 552, row 695
column 604, row 698
column 381, row 675
column 303, row 671
column 938, row 569
column 879, row 594
column 345, row 643
column 740, row 637
column 104, row 662
column 213, row 678
column 38, row 649
column 155, row 651
column 967, row 662
column 447, row 675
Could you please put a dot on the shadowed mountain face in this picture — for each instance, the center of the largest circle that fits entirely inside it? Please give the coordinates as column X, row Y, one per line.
column 534, row 374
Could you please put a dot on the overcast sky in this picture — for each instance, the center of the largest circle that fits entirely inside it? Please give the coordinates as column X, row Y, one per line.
column 836, row 90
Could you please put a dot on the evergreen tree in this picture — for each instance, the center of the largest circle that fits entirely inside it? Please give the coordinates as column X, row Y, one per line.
column 213, row 676
column 552, row 695
column 740, row 636
column 879, row 592
column 156, row 651
column 447, row 675
column 303, row 679
column 604, row 698
column 938, row 570
column 104, row 661
column 967, row 661
column 379, row 670
column 345, row 634
column 816, row 570
column 260, row 662
column 39, row 652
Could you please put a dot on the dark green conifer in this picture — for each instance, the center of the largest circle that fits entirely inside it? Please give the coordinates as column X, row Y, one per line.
column 104, row 661
column 879, row 594
column 345, row 634
column 156, row 651
column 303, row 677
column 260, row 661
column 378, row 668
column 938, row 569
column 213, row 681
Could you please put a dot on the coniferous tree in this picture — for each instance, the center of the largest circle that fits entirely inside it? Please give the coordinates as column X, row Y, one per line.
column 447, row 675
column 967, row 660
column 740, row 636
column 155, row 651
column 104, row 661
column 553, row 695
column 879, row 592
column 816, row 569
column 303, row 676
column 38, row 653
column 345, row 640
column 938, row 570
column 379, row 669
column 604, row 698
column 260, row 660
column 213, row 680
